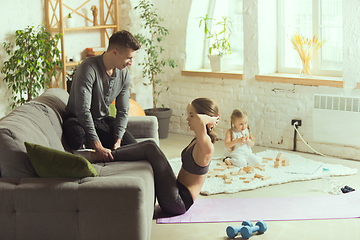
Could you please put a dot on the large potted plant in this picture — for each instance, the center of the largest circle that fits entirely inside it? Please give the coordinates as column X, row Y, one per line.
column 219, row 49
column 32, row 63
column 153, row 64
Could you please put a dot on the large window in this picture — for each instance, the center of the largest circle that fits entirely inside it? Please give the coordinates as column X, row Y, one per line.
column 233, row 10
column 322, row 18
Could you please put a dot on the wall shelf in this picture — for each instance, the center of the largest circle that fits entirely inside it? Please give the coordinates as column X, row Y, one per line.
column 55, row 22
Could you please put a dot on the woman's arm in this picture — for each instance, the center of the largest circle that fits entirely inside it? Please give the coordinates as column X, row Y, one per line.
column 204, row 150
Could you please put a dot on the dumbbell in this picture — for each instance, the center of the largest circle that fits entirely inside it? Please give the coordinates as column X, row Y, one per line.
column 247, row 231
column 232, row 231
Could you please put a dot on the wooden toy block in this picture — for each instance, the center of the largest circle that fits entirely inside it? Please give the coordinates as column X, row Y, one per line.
column 276, row 164
column 228, row 181
column 269, row 159
column 219, row 169
column 242, row 178
column 248, row 169
column 258, row 176
column 285, row 162
column 234, row 173
column 265, row 178
column 227, row 176
column 220, row 176
column 280, row 157
column 230, row 166
column 247, row 180
column 211, row 174
column 260, row 167
column 219, row 164
column 227, row 162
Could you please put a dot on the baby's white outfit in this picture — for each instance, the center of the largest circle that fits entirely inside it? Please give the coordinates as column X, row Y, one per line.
column 242, row 154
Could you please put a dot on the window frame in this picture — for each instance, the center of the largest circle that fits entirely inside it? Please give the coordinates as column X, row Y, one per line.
column 316, row 30
column 206, row 61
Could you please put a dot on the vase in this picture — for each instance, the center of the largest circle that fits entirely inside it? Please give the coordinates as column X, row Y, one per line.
column 163, row 115
column 305, row 68
column 219, row 64
column 69, row 22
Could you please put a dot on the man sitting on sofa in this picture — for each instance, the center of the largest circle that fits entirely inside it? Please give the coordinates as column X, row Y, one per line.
column 97, row 82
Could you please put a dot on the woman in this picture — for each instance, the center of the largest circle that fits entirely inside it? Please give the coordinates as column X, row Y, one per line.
column 176, row 196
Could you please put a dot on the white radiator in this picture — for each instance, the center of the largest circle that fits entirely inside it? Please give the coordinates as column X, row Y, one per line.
column 336, row 119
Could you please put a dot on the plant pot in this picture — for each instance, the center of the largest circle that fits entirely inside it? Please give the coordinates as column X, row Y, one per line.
column 219, row 64
column 163, row 115
column 69, row 22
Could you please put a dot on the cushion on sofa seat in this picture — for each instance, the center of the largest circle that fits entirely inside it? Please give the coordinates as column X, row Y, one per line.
column 29, row 122
column 53, row 163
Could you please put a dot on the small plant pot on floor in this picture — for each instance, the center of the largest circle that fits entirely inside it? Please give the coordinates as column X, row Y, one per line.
column 163, row 115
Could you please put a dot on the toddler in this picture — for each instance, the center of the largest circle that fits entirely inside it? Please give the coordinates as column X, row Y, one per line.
column 239, row 140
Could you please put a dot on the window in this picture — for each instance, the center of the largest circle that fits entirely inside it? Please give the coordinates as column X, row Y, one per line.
column 233, row 10
column 322, row 18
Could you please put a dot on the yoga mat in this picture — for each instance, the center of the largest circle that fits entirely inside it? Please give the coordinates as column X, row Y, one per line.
column 269, row 209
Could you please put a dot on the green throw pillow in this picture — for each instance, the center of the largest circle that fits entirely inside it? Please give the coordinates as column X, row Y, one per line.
column 52, row 163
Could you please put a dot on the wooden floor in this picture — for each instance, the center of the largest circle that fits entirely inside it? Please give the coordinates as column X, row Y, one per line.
column 277, row 230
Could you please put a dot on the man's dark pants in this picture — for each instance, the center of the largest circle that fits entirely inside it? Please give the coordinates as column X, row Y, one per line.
column 75, row 135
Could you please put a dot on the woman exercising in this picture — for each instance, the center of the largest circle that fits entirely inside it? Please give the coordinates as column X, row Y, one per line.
column 176, row 196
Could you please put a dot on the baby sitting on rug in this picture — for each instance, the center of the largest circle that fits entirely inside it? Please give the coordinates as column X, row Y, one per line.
column 239, row 140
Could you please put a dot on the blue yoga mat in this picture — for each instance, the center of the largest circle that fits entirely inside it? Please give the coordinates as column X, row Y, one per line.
column 269, row 209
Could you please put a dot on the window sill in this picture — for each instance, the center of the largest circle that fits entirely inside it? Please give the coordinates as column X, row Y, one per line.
column 297, row 80
column 231, row 74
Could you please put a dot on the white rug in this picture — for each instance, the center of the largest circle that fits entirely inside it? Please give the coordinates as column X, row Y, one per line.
column 299, row 169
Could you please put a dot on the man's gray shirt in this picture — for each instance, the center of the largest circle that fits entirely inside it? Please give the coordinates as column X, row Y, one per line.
column 92, row 92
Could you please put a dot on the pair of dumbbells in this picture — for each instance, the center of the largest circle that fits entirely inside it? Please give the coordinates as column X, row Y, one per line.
column 347, row 189
column 246, row 229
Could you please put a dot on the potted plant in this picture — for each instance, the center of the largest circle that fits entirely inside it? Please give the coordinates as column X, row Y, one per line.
column 69, row 21
column 153, row 64
column 32, row 63
column 219, row 48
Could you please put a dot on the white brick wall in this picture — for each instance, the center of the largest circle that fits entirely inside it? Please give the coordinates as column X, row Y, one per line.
column 271, row 106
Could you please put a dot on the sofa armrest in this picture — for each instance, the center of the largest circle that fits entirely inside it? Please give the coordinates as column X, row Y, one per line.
column 144, row 127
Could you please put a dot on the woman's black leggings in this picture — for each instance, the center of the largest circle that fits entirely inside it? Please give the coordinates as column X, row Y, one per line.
column 173, row 197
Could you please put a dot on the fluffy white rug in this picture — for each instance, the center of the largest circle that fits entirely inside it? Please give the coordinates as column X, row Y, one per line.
column 299, row 169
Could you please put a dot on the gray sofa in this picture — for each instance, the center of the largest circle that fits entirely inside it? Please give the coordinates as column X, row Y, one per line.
column 118, row 204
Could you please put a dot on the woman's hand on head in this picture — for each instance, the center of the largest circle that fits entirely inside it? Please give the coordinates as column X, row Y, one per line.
column 211, row 122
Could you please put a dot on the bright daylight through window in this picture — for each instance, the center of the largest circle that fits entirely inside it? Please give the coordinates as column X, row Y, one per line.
column 233, row 10
column 319, row 18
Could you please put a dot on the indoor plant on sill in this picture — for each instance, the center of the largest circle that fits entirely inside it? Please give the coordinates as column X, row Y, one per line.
column 219, row 49
column 153, row 65
column 32, row 63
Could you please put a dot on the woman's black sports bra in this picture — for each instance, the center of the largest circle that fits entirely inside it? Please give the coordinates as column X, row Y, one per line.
column 188, row 162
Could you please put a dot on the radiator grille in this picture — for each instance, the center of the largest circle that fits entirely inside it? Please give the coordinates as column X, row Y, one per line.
column 337, row 103
column 336, row 119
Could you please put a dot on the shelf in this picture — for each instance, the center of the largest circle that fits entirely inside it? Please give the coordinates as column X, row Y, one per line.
column 71, row 64
column 83, row 28
column 297, row 80
column 232, row 74
column 56, row 11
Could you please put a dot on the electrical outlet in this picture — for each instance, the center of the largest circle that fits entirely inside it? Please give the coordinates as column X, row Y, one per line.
column 294, row 121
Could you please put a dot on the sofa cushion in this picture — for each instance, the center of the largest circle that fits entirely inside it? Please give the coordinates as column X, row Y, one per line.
column 29, row 122
column 49, row 162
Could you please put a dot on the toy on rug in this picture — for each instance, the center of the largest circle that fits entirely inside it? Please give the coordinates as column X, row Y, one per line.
column 281, row 160
column 218, row 171
column 246, row 229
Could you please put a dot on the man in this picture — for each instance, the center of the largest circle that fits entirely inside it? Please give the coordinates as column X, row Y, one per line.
column 97, row 82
